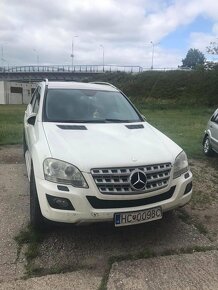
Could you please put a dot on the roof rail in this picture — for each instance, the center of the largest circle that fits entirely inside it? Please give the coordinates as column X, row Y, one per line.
column 46, row 81
column 104, row 83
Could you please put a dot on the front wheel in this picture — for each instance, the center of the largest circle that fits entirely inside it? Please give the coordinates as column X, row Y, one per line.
column 24, row 144
column 208, row 151
column 36, row 217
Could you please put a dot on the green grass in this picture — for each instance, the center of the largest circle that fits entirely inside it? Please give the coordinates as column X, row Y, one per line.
column 11, row 124
column 198, row 87
column 184, row 124
column 200, row 199
column 190, row 220
column 32, row 238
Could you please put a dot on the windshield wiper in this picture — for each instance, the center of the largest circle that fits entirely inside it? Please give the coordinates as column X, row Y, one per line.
column 94, row 121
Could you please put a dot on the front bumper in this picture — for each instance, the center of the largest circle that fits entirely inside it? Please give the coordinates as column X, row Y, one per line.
column 84, row 212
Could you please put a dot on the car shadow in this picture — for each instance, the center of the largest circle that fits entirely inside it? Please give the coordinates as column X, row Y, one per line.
column 92, row 245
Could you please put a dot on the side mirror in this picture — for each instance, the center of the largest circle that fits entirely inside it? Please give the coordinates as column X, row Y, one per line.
column 31, row 119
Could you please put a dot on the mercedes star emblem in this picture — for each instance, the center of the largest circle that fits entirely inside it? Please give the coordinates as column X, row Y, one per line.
column 138, row 180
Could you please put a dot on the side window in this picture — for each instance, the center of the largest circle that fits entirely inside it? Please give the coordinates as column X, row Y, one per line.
column 33, row 96
column 216, row 119
column 36, row 101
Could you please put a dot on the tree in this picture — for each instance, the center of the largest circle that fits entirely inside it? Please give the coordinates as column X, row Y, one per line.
column 193, row 59
column 212, row 48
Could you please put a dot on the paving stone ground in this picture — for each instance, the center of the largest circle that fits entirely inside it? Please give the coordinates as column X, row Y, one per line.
column 91, row 246
column 87, row 249
column 79, row 280
column 14, row 216
column 187, row 271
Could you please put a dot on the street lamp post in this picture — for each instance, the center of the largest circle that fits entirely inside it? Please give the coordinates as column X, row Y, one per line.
column 3, row 60
column 152, row 54
column 102, row 46
column 72, row 52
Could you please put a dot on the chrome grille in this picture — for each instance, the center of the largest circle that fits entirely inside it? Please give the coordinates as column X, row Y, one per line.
column 117, row 180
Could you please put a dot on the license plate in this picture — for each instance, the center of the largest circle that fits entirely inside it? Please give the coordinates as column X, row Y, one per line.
column 137, row 217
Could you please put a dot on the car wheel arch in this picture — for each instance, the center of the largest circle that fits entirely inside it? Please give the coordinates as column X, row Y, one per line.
column 207, row 134
column 209, row 150
column 36, row 217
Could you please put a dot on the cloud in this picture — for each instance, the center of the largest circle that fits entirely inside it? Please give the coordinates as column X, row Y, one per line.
column 124, row 27
column 215, row 29
column 201, row 40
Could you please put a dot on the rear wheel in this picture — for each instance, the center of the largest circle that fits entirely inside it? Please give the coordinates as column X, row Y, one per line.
column 36, row 217
column 207, row 148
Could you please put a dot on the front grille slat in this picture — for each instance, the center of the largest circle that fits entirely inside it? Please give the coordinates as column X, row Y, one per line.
column 158, row 179
column 113, row 183
column 157, row 170
column 117, row 180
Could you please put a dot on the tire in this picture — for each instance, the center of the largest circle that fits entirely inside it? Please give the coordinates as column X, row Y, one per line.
column 24, row 144
column 207, row 148
column 36, row 218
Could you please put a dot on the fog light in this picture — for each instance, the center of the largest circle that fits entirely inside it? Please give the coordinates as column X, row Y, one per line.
column 59, row 202
column 188, row 188
column 62, row 203
column 186, row 175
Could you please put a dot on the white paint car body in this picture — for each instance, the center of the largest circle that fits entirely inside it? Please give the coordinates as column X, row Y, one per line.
column 210, row 140
column 102, row 146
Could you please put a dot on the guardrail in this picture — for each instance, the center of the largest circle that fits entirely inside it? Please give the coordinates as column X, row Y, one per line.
column 70, row 69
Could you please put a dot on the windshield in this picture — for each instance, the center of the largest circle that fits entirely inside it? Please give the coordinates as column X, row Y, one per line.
column 69, row 105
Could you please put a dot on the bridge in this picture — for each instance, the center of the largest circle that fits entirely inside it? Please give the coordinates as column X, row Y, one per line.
column 33, row 73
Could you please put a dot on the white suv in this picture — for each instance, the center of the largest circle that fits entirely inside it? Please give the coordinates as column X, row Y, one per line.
column 92, row 157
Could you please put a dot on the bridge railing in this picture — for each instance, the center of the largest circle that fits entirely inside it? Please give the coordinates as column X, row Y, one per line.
column 70, row 69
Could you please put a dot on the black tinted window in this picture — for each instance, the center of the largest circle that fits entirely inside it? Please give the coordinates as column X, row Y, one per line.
column 215, row 117
column 36, row 102
column 33, row 96
column 67, row 105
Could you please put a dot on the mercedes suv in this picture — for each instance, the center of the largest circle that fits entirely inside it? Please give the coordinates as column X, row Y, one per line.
column 92, row 157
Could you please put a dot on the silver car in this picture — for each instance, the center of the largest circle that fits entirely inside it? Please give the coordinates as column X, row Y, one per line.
column 210, row 141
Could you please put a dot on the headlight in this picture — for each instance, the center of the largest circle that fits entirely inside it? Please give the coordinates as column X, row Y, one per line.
column 63, row 172
column 180, row 165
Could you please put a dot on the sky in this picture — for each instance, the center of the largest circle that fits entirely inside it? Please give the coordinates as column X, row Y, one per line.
column 37, row 31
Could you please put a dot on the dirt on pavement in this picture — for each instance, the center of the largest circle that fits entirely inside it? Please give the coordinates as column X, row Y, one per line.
column 11, row 154
column 203, row 207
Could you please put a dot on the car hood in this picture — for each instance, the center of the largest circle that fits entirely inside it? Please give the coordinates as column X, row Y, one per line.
column 109, row 145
